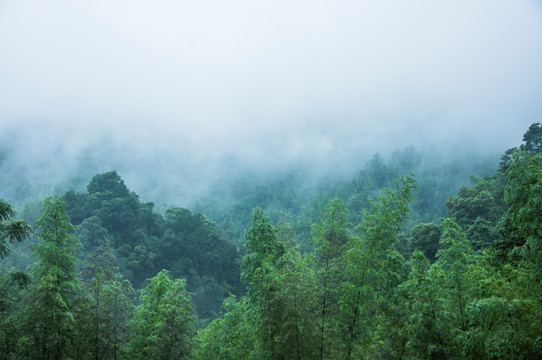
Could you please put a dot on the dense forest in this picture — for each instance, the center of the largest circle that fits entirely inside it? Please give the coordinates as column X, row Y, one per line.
column 408, row 260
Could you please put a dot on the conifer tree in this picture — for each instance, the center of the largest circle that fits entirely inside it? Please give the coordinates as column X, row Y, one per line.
column 330, row 237
column 367, row 278
column 163, row 324
column 12, row 282
column 47, row 319
column 110, row 298
column 260, row 273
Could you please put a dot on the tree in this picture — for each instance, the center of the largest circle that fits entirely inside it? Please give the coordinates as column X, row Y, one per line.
column 163, row 324
column 330, row 236
column 47, row 319
column 110, row 304
column 425, row 237
column 453, row 273
column 523, row 194
column 10, row 229
column 90, row 232
column 259, row 272
column 12, row 282
column 370, row 268
column 231, row 337
column 533, row 139
column 424, row 330
column 109, row 182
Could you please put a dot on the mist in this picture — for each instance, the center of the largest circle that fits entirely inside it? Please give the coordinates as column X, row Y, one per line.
column 178, row 97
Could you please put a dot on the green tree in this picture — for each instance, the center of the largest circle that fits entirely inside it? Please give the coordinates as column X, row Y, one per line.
column 508, row 315
column 12, row 282
column 425, row 237
column 47, row 319
column 453, row 272
column 425, row 326
column 259, row 272
column 523, row 194
column 163, row 324
column 368, row 276
column 232, row 337
column 330, row 236
column 110, row 304
column 297, row 291
column 533, row 139
column 10, row 229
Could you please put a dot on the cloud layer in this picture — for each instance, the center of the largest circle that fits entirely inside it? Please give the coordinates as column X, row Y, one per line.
column 266, row 83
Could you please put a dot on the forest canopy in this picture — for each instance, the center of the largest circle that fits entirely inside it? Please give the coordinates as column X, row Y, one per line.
column 400, row 262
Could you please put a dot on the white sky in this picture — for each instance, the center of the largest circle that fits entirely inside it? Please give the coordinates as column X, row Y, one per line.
column 295, row 78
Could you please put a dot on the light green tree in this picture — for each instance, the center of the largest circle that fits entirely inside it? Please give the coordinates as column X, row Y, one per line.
column 259, row 272
column 425, row 338
column 163, row 324
column 231, row 337
column 47, row 322
column 368, row 276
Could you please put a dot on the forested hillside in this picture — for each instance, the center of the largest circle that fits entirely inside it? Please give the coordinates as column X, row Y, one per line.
column 404, row 261
column 296, row 196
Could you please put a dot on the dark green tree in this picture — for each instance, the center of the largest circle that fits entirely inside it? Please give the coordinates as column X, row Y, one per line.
column 425, row 237
column 10, row 229
column 533, row 139
column 330, row 237
column 12, row 282
column 110, row 304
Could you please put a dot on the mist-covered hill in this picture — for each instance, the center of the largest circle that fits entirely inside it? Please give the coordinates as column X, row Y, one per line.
column 370, row 261
column 270, row 180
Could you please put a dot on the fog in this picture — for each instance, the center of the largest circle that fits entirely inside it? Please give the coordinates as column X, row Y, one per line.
column 178, row 95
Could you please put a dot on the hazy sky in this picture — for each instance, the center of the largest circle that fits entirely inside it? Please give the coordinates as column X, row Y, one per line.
column 261, row 80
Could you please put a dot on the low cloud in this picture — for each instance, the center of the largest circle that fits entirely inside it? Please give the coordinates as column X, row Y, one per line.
column 164, row 87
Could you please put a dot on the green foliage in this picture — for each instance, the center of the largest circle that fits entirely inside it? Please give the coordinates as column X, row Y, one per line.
column 368, row 276
column 281, row 291
column 471, row 289
column 330, row 236
column 104, row 320
column 188, row 245
column 523, row 194
column 46, row 321
column 533, row 139
column 260, row 273
column 231, row 337
column 108, row 183
column 12, row 282
column 57, row 251
column 472, row 203
column 424, row 327
column 10, row 230
column 163, row 323
column 425, row 237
